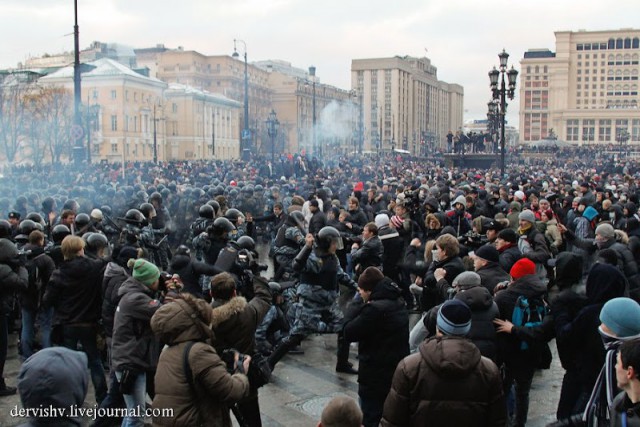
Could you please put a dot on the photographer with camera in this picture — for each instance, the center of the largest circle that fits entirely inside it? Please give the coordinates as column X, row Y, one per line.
column 234, row 325
column 192, row 378
column 13, row 277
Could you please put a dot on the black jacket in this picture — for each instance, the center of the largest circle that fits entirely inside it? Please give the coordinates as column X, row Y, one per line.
column 317, row 221
column 190, row 272
column 491, row 275
column 369, row 254
column 393, row 245
column 43, row 267
column 432, row 294
column 12, row 279
column 75, row 291
column 381, row 327
column 114, row 276
column 531, row 287
column 509, row 256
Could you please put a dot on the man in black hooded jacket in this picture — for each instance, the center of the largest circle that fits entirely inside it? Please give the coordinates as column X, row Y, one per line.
column 380, row 325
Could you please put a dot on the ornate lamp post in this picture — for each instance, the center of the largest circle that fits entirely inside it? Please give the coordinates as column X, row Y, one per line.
column 312, row 74
column 622, row 137
column 500, row 94
column 272, row 130
column 245, row 145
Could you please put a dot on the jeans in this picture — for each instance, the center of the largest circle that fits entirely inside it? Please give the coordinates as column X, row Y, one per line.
column 521, row 378
column 137, row 399
column 417, row 335
column 86, row 335
column 28, row 333
column 114, row 399
column 371, row 403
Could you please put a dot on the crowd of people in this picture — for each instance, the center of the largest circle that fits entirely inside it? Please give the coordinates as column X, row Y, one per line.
column 155, row 272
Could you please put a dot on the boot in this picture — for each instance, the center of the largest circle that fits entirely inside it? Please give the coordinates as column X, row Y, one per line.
column 287, row 343
column 343, row 364
column 5, row 390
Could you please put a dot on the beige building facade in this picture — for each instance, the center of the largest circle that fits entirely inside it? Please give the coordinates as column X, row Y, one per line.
column 133, row 110
column 586, row 91
column 404, row 105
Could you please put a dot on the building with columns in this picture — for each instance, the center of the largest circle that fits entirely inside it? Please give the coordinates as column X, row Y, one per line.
column 586, row 91
column 404, row 105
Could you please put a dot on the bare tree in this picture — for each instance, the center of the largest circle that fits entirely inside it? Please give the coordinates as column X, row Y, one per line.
column 54, row 112
column 12, row 115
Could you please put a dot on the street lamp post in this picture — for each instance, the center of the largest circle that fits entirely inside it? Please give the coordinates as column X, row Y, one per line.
column 312, row 74
column 272, row 130
column 77, row 91
column 500, row 95
column 245, row 145
column 622, row 137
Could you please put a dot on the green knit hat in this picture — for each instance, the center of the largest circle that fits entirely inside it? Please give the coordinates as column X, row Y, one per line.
column 144, row 271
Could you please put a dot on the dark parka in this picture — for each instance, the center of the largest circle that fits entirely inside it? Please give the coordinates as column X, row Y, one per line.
column 492, row 274
column 483, row 311
column 509, row 256
column 75, row 291
column 447, row 383
column 176, row 324
column 43, row 268
column 369, row 254
column 235, row 321
column 190, row 272
column 434, row 293
column 393, row 246
column 381, row 327
column 12, row 277
column 114, row 276
column 133, row 343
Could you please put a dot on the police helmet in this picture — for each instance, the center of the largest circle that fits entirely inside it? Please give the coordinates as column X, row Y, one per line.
column 142, row 196
column 223, row 224
column 206, row 211
column 155, row 197
column 147, row 210
column 296, row 218
column 233, row 215
column 96, row 241
column 35, row 217
column 258, row 188
column 215, row 205
column 59, row 232
column 134, row 216
column 82, row 220
column 27, row 226
column 246, row 242
column 106, row 210
column 326, row 235
column 183, row 250
column 5, row 229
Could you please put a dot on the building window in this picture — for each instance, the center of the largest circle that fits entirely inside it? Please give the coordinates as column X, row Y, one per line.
column 114, row 148
column 572, row 130
column 174, row 108
column 588, row 130
column 604, row 131
column 113, row 94
column 635, row 130
column 114, row 122
column 611, row 44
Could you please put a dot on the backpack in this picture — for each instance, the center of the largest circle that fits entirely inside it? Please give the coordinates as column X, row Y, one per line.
column 35, row 279
column 528, row 313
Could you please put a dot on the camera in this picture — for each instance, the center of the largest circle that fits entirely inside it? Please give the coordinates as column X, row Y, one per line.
column 228, row 356
column 473, row 239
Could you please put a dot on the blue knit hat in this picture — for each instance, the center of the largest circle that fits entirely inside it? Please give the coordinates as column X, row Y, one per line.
column 454, row 318
column 622, row 316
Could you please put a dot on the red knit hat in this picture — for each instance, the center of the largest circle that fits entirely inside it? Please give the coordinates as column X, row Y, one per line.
column 523, row 267
column 359, row 186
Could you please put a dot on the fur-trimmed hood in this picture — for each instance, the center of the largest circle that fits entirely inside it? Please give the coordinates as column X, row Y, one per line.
column 224, row 310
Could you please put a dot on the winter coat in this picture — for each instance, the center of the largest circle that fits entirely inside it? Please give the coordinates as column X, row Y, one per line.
column 393, row 246
column 75, row 291
column 43, row 268
column 553, row 235
column 133, row 343
column 531, row 287
column 369, row 254
column 483, row 311
column 432, row 294
column 215, row 389
column 381, row 327
column 114, row 276
column 579, row 332
column 492, row 274
column 509, row 256
column 12, row 279
column 447, row 382
column 621, row 404
column 533, row 245
column 358, row 217
column 317, row 221
column 190, row 272
column 235, row 321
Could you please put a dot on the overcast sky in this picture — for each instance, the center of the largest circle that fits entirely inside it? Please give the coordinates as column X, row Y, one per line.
column 461, row 37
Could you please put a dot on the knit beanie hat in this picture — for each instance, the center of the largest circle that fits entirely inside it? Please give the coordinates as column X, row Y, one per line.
column 144, row 271
column 467, row 279
column 522, row 267
column 487, row 253
column 622, row 316
column 454, row 318
column 382, row 220
column 397, row 221
column 605, row 230
column 527, row 215
column 508, row 235
column 369, row 278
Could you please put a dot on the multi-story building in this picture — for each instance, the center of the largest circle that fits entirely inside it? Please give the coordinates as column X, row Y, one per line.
column 586, row 91
column 118, row 52
column 293, row 95
column 403, row 103
column 221, row 74
column 140, row 118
